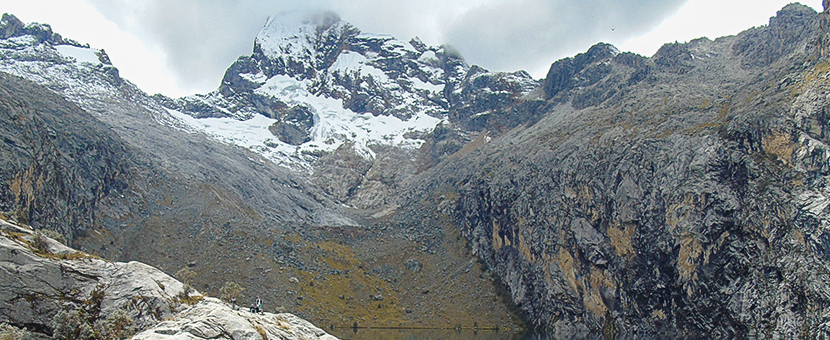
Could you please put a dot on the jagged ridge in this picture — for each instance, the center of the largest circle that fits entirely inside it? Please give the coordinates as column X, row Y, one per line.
column 321, row 82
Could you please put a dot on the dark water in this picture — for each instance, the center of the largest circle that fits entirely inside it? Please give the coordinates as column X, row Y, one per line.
column 449, row 334
column 428, row 334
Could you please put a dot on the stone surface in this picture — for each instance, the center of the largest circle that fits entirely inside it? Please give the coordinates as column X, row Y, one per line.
column 211, row 319
column 36, row 284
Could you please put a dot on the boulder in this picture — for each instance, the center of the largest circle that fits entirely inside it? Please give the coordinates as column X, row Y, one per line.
column 212, row 318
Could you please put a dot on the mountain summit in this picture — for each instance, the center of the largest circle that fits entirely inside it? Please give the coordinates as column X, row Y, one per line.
column 315, row 82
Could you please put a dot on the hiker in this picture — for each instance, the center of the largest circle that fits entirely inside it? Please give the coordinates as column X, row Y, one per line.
column 258, row 305
column 233, row 301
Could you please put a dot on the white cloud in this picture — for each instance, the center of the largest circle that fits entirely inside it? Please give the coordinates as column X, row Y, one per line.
column 711, row 19
column 184, row 46
column 531, row 34
column 202, row 38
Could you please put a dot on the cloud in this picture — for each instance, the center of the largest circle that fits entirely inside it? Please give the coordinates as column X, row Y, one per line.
column 201, row 38
column 530, row 34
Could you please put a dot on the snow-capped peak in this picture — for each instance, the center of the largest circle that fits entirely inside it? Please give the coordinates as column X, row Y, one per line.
column 315, row 82
column 294, row 33
column 81, row 73
column 320, row 82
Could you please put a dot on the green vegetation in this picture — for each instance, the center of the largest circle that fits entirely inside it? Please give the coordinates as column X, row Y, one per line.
column 78, row 324
column 186, row 297
column 186, row 276
column 84, row 323
column 230, row 291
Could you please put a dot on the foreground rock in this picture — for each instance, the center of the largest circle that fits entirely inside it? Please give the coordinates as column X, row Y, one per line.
column 212, row 318
column 37, row 284
column 49, row 288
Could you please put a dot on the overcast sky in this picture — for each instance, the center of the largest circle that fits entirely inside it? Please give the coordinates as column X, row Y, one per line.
column 179, row 47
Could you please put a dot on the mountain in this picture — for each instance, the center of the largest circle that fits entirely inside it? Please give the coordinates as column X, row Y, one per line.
column 91, row 156
column 55, row 290
column 318, row 94
column 321, row 82
column 389, row 183
column 679, row 194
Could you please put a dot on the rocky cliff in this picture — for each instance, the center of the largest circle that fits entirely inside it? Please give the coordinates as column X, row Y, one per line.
column 683, row 193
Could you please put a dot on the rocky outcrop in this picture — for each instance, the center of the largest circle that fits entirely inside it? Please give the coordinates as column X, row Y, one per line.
column 488, row 100
column 49, row 288
column 41, row 278
column 591, row 78
column 57, row 162
column 294, row 125
column 211, row 319
column 11, row 26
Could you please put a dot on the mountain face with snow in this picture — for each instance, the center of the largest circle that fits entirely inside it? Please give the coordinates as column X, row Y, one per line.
column 315, row 82
column 122, row 175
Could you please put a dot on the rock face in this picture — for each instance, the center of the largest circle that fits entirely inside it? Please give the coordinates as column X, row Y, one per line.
column 39, row 283
column 211, row 319
column 49, row 166
column 11, row 27
column 683, row 193
column 42, row 280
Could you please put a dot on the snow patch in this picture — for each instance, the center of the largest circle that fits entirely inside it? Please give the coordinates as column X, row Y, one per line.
column 254, row 78
column 428, row 57
column 80, row 54
column 418, row 84
column 355, row 62
column 247, row 133
column 78, row 81
column 481, row 114
column 333, row 126
column 378, row 36
column 286, row 34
